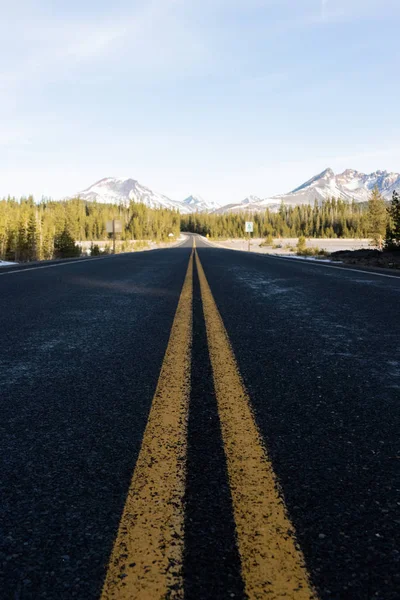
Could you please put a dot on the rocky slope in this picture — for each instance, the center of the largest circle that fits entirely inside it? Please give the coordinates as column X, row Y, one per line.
column 349, row 185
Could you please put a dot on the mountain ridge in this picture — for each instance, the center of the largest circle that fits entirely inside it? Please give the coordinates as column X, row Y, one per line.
column 121, row 191
column 124, row 190
column 349, row 185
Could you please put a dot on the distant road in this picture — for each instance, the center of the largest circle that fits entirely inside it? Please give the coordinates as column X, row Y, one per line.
column 201, row 423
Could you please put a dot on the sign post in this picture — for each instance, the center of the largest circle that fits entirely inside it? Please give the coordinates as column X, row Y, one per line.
column 114, row 226
column 248, row 227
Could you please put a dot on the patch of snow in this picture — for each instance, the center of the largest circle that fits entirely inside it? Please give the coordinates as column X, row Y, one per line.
column 198, row 204
column 4, row 263
column 294, row 256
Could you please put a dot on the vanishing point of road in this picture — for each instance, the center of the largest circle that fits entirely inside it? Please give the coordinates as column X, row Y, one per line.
column 198, row 423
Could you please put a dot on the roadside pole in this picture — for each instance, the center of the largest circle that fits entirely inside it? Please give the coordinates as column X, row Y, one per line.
column 114, row 227
column 249, row 227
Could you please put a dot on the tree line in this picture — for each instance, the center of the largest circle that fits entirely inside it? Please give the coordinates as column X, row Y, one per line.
column 50, row 229
column 333, row 218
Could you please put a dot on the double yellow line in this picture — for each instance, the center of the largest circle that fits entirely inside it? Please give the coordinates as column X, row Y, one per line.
column 146, row 562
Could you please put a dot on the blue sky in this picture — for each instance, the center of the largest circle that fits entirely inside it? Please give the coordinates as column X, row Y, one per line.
column 222, row 98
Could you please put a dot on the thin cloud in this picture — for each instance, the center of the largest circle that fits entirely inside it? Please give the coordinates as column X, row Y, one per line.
column 154, row 37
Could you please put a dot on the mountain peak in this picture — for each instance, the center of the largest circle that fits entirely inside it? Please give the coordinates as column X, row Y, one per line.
column 348, row 173
column 194, row 199
column 198, row 204
column 324, row 175
column 251, row 200
column 113, row 190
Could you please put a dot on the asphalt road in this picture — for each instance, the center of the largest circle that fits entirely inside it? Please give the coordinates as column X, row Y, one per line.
column 86, row 346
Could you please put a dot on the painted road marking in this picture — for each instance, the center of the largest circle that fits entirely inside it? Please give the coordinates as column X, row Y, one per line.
column 272, row 564
column 308, row 262
column 146, row 562
column 322, row 264
column 74, row 262
column 63, row 264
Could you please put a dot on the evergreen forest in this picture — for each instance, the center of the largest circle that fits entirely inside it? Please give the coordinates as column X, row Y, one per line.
column 50, row 229
column 331, row 219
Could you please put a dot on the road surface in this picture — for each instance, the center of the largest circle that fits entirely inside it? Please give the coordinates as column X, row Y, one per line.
column 199, row 423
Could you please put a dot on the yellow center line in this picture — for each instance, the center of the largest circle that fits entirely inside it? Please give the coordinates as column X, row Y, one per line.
column 146, row 562
column 272, row 563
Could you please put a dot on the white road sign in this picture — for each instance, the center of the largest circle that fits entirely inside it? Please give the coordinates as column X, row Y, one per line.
column 117, row 226
column 248, row 227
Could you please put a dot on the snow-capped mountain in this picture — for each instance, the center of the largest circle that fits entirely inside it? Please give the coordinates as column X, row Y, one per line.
column 198, row 204
column 349, row 185
column 117, row 191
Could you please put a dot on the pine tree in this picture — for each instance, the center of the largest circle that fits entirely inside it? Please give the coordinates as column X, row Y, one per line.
column 48, row 243
column 392, row 240
column 33, row 238
column 377, row 218
column 301, row 244
column 21, row 252
column 64, row 245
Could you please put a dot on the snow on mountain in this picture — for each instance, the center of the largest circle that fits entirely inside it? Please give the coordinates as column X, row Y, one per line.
column 251, row 200
column 250, row 204
column 349, row 185
column 117, row 191
column 198, row 204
